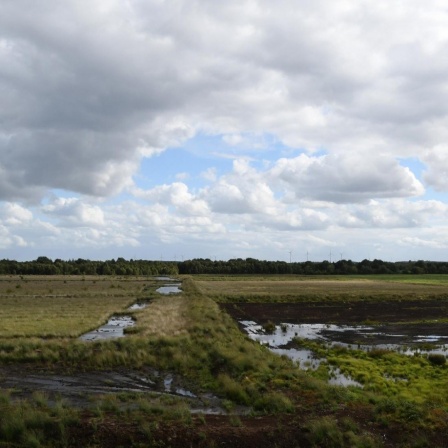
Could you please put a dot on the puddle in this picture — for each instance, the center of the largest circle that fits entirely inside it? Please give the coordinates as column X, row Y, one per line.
column 304, row 358
column 113, row 329
column 283, row 333
column 170, row 289
column 337, row 378
column 348, row 336
column 351, row 337
column 138, row 306
column 168, row 385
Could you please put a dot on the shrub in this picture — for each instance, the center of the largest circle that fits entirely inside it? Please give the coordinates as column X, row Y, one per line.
column 273, row 402
column 233, row 389
column 437, row 359
column 269, row 327
column 325, row 432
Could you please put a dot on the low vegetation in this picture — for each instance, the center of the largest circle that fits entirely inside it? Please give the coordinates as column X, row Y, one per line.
column 191, row 336
column 289, row 289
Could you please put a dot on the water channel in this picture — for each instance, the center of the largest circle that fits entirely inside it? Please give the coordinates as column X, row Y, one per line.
column 115, row 326
column 113, row 329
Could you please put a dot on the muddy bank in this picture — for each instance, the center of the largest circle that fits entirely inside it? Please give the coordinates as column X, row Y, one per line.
column 391, row 324
column 79, row 388
column 340, row 313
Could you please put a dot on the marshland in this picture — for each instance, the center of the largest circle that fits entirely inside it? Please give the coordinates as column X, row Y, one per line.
column 187, row 373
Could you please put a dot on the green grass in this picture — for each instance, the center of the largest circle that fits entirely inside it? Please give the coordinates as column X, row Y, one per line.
column 422, row 279
column 60, row 307
column 46, row 317
column 387, row 373
column 207, row 348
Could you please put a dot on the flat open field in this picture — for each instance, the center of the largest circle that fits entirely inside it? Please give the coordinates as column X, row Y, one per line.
column 298, row 288
column 407, row 306
column 54, row 306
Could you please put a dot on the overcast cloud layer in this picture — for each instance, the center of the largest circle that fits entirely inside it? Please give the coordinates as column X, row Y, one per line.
column 318, row 127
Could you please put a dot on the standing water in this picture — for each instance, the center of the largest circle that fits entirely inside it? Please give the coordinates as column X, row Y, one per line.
column 113, row 329
column 170, row 289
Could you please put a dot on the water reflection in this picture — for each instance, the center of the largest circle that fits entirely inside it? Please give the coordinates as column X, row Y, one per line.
column 168, row 385
column 304, row 358
column 337, row 378
column 138, row 306
column 353, row 337
column 335, row 335
column 170, row 289
column 113, row 329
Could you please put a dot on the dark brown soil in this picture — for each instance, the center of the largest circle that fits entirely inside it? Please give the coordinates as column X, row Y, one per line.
column 222, row 431
column 387, row 320
column 285, row 431
column 340, row 313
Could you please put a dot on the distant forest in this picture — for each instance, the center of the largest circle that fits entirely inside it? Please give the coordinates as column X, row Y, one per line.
column 120, row 266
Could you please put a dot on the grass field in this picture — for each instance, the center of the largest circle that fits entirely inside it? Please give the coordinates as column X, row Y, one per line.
column 188, row 334
column 50, row 307
column 299, row 288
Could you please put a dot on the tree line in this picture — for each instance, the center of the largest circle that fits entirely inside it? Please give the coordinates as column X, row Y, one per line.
column 341, row 267
column 120, row 266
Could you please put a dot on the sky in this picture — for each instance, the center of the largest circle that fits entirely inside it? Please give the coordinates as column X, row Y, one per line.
column 287, row 130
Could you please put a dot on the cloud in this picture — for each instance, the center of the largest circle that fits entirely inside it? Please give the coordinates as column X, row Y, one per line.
column 392, row 214
column 88, row 91
column 441, row 243
column 19, row 227
column 176, row 195
column 332, row 95
column 242, row 191
column 14, row 214
column 73, row 212
column 346, row 178
column 436, row 174
column 209, row 174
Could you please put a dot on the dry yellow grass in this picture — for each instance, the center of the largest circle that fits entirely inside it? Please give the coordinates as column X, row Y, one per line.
column 304, row 287
column 61, row 306
column 55, row 316
column 59, row 285
column 68, row 306
column 165, row 316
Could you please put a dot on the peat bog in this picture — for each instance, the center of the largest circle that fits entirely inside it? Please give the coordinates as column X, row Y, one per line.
column 393, row 325
column 184, row 374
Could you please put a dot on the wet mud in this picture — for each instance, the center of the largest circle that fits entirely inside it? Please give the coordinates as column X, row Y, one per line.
column 406, row 322
column 340, row 313
column 80, row 388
